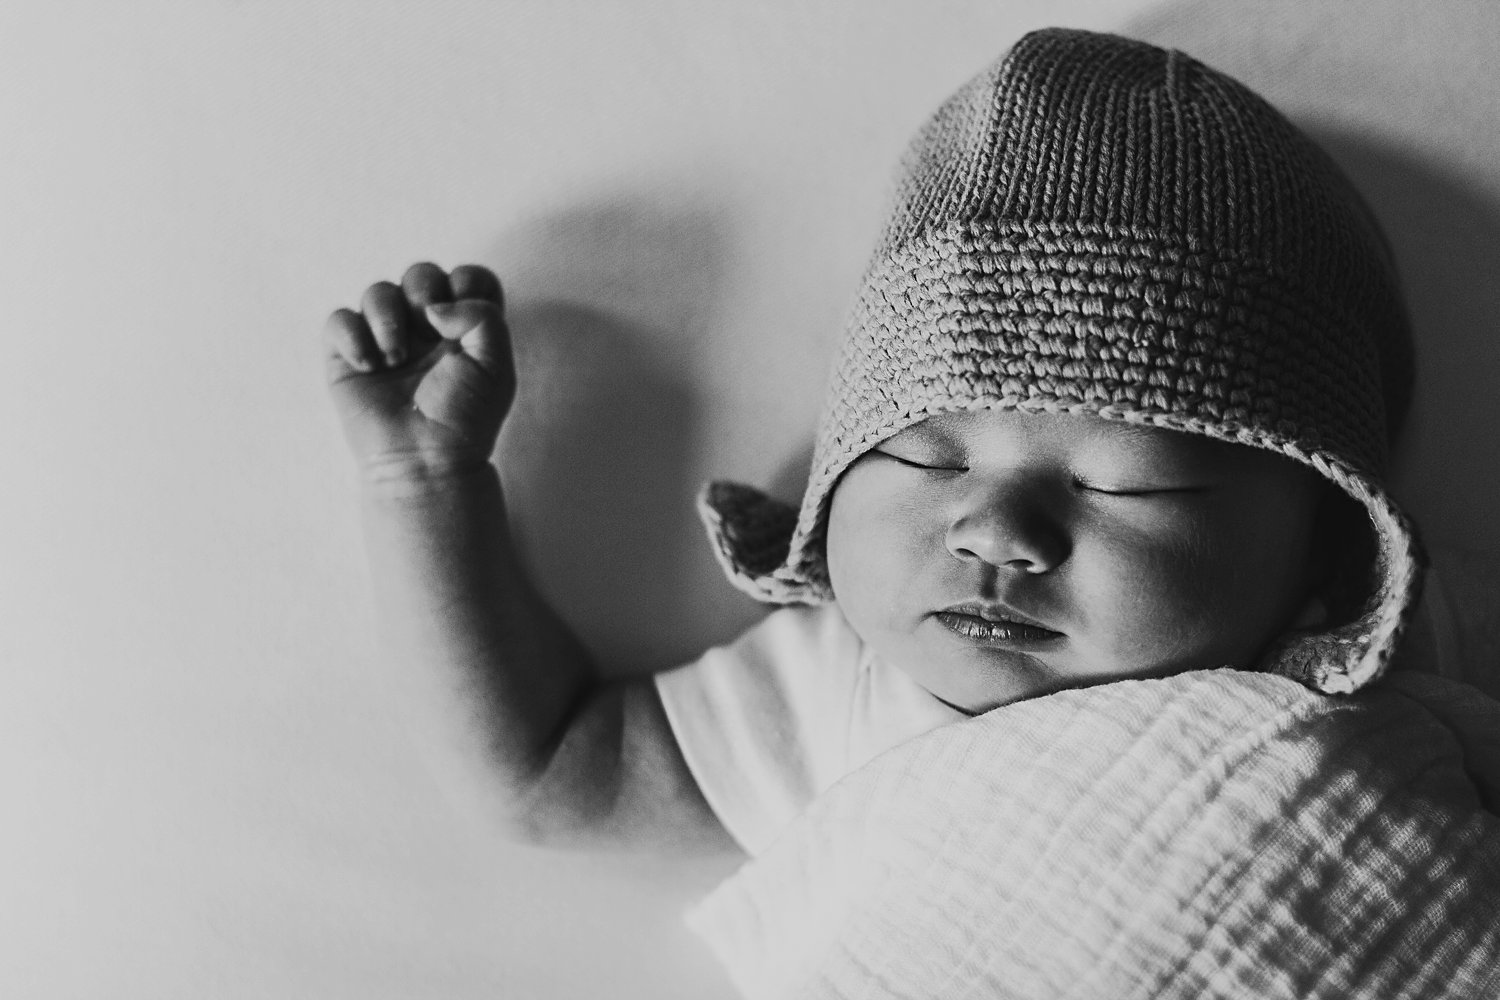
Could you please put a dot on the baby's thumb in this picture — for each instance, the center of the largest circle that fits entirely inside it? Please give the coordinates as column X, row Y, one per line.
column 478, row 327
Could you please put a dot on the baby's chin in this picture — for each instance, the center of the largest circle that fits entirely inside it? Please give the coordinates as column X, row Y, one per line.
column 978, row 681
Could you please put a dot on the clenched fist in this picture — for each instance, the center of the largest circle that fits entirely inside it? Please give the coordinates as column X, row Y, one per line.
column 422, row 376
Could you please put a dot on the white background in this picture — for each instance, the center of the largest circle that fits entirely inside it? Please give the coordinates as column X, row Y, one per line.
column 212, row 785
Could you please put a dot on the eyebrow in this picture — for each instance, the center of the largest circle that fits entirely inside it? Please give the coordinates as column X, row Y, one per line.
column 933, row 425
column 932, row 434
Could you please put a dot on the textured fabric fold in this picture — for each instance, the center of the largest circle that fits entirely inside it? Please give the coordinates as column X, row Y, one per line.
column 1218, row 834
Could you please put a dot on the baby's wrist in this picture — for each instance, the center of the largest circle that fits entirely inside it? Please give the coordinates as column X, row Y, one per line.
column 408, row 477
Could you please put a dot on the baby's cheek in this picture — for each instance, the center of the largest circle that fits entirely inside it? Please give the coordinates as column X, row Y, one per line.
column 880, row 542
column 1155, row 599
column 1227, row 598
column 855, row 545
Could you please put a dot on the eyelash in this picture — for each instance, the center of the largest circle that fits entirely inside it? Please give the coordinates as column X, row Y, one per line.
column 1086, row 488
column 1081, row 484
column 918, row 465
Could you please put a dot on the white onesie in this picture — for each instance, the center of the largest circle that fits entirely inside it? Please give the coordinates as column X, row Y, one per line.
column 770, row 721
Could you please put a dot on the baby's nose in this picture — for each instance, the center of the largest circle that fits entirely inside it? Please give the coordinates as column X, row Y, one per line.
column 1009, row 527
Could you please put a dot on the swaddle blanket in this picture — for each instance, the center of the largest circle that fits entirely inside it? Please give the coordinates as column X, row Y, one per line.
column 1214, row 834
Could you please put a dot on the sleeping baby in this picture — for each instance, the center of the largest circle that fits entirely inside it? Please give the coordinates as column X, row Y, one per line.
column 1105, row 445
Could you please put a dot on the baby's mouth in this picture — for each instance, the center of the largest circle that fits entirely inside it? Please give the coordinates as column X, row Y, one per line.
column 996, row 624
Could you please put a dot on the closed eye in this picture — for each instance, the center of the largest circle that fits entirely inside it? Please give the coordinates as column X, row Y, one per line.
column 1133, row 491
column 1136, row 491
column 909, row 463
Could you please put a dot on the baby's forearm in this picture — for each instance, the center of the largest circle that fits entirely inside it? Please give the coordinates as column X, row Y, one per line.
column 451, row 597
column 422, row 378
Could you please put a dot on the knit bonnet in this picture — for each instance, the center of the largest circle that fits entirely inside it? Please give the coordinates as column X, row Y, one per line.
column 1094, row 225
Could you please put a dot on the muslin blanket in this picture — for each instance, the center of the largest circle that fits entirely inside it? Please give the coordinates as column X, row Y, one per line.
column 1215, row 834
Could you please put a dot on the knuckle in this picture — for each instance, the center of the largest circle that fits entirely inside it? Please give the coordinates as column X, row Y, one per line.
column 380, row 296
column 425, row 282
column 477, row 284
column 420, row 269
column 474, row 272
column 422, row 273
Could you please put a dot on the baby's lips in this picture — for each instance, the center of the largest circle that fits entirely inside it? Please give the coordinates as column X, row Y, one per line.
column 997, row 612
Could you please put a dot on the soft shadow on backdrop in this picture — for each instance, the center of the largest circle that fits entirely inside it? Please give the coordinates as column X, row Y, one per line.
column 599, row 457
column 1446, row 234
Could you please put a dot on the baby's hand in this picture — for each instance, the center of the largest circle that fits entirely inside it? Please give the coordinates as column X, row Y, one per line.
column 422, row 376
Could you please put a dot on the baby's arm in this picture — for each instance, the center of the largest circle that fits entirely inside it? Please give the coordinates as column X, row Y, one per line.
column 422, row 378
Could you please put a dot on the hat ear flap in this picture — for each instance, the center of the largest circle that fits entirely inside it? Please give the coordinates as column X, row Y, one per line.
column 751, row 534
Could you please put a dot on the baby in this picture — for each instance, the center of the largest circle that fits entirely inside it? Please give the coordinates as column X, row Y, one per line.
column 1115, row 402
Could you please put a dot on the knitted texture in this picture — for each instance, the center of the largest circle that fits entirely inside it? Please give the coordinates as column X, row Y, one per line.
column 1098, row 226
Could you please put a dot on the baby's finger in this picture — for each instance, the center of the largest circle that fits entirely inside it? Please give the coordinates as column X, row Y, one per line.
column 348, row 343
column 479, row 328
column 425, row 284
column 474, row 281
column 389, row 318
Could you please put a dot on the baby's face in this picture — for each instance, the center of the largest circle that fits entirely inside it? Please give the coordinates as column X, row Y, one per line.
column 996, row 556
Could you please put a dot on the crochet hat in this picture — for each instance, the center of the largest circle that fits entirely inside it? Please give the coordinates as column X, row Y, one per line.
column 1095, row 225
